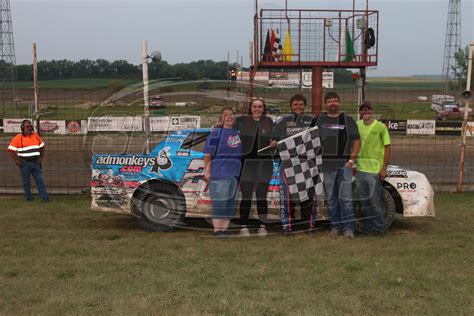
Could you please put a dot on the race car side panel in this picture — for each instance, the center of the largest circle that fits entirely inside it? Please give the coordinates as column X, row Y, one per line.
column 415, row 191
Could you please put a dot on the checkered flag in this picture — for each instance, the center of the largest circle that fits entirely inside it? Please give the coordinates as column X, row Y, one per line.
column 301, row 161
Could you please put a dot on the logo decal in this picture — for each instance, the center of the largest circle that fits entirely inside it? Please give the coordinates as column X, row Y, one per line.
column 163, row 162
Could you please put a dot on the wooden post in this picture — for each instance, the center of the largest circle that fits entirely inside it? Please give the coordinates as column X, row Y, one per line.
column 146, row 107
column 465, row 121
column 317, row 90
column 36, row 90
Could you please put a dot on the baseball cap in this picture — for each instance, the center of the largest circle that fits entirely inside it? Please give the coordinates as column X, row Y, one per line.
column 365, row 104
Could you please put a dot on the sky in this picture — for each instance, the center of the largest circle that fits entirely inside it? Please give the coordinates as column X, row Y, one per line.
column 411, row 32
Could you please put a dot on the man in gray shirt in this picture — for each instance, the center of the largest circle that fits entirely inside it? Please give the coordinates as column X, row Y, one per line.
column 341, row 143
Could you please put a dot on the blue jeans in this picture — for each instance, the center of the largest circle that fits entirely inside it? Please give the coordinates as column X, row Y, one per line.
column 338, row 190
column 27, row 170
column 224, row 197
column 370, row 190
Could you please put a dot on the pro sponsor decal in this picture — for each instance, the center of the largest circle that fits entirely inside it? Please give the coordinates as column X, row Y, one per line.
column 406, row 187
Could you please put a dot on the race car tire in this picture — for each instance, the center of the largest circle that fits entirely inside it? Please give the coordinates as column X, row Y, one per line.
column 389, row 207
column 159, row 208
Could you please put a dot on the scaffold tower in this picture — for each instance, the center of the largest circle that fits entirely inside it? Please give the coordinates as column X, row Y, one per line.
column 453, row 39
column 7, row 51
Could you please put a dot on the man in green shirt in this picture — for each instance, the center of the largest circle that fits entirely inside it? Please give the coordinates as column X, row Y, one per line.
column 372, row 163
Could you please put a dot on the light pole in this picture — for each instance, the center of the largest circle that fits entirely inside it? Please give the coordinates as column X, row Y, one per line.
column 467, row 95
column 156, row 57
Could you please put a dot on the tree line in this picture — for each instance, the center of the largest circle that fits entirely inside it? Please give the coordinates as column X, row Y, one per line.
column 122, row 69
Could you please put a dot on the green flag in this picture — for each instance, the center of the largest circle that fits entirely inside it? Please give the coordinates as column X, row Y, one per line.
column 350, row 53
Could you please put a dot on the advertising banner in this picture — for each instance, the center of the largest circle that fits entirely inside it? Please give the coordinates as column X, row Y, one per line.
column 174, row 123
column 52, row 127
column 448, row 128
column 12, row 125
column 284, row 79
column 115, row 124
column 159, row 124
column 421, row 127
column 470, row 129
column 396, row 126
column 328, row 80
column 73, row 127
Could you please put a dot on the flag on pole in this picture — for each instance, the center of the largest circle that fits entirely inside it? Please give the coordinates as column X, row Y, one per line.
column 342, row 47
column 277, row 48
column 272, row 40
column 301, row 159
column 266, row 50
column 350, row 52
column 287, row 49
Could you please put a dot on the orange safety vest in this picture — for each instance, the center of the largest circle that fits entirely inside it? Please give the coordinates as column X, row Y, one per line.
column 26, row 147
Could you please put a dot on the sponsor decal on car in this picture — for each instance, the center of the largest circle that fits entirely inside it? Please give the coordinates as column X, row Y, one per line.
column 406, row 187
column 397, row 174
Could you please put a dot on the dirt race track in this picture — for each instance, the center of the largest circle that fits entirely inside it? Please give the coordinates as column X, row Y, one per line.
column 67, row 163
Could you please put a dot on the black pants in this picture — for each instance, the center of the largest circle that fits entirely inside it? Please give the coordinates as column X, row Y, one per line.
column 306, row 209
column 256, row 173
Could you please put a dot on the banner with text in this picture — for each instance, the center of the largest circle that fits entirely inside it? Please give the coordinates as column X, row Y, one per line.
column 421, row 127
column 115, row 124
column 396, row 126
column 448, row 128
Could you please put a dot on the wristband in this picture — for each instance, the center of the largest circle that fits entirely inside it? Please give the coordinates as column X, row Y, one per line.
column 351, row 161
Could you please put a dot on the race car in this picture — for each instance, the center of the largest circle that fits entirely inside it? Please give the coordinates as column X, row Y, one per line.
column 164, row 187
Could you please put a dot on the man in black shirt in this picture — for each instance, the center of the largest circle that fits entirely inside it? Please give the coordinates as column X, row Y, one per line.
column 340, row 141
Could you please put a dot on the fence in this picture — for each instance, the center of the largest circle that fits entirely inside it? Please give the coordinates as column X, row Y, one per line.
column 420, row 142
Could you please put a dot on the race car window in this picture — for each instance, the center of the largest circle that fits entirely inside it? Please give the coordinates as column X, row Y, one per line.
column 195, row 141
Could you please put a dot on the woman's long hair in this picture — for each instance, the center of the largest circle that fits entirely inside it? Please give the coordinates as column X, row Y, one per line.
column 266, row 124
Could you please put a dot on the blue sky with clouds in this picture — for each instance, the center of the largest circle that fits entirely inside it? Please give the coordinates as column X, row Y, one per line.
column 412, row 32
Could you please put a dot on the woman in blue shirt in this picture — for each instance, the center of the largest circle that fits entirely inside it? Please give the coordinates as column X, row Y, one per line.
column 222, row 161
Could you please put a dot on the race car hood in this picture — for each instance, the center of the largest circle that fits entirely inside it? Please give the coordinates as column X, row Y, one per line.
column 415, row 191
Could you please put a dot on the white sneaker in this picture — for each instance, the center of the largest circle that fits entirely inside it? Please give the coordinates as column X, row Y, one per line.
column 244, row 232
column 262, row 232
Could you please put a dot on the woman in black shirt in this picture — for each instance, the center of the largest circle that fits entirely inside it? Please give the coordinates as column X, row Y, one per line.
column 256, row 133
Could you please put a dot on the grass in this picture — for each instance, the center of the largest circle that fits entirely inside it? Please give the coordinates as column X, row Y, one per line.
column 76, row 84
column 62, row 258
column 406, row 83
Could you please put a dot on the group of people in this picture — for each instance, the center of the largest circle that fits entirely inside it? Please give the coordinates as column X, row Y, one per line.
column 239, row 153
column 234, row 158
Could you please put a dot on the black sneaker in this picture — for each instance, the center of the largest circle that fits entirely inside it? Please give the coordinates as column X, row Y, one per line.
column 378, row 234
column 220, row 234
